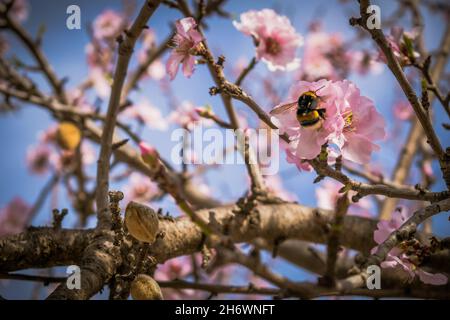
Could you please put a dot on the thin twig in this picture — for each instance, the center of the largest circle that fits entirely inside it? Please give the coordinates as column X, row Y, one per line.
column 125, row 50
column 17, row 29
column 246, row 71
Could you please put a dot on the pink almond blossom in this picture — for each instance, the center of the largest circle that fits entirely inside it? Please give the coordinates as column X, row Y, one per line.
column 301, row 164
column 398, row 259
column 326, row 55
column 100, row 82
column 363, row 125
column 99, row 56
column 78, row 99
column 327, row 195
column 308, row 142
column 139, row 188
column 148, row 153
column 14, row 217
column 187, row 39
column 275, row 37
column 108, row 25
column 274, row 184
column 147, row 114
column 177, row 268
column 187, row 116
column 320, row 48
column 39, row 158
column 19, row 10
column 363, row 62
column 351, row 122
column 88, row 153
column 403, row 110
column 401, row 43
column 156, row 70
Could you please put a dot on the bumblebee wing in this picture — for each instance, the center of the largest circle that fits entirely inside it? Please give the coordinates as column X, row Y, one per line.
column 284, row 108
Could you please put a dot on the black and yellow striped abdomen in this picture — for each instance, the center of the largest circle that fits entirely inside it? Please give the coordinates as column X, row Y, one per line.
column 309, row 118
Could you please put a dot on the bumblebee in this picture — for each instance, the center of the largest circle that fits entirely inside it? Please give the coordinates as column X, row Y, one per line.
column 309, row 115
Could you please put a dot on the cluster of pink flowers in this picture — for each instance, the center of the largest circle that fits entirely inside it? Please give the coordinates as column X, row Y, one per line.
column 351, row 123
column 396, row 258
column 275, row 38
column 187, row 41
column 326, row 56
column 146, row 114
column 14, row 217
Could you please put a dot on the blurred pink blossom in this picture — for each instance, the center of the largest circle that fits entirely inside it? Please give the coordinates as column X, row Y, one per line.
column 19, row 10
column 427, row 168
column 327, row 195
column 39, row 158
column 88, row 153
column 139, row 188
column 14, row 217
column 156, row 70
column 239, row 66
column 274, row 184
column 77, row 98
column 147, row 114
column 363, row 62
column 48, row 135
column 177, row 268
column 316, row 66
column 108, row 25
column 186, row 116
column 326, row 55
column 396, row 258
column 186, row 40
column 320, row 48
column 403, row 110
column 100, row 82
column 275, row 38
column 99, row 56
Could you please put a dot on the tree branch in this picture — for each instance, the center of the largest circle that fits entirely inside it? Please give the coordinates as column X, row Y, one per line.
column 126, row 46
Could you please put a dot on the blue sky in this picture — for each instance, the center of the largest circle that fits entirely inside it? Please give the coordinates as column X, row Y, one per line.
column 65, row 50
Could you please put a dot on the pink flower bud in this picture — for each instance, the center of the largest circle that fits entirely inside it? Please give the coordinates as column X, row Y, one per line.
column 147, row 149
